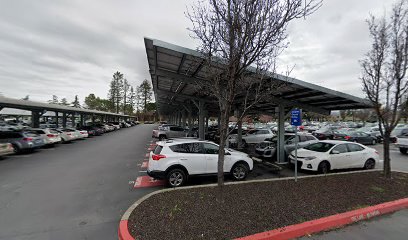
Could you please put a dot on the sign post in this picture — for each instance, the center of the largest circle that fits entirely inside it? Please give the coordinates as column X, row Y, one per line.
column 296, row 120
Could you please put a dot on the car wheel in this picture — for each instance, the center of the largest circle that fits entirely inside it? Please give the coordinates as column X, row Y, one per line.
column 239, row 171
column 16, row 149
column 403, row 150
column 369, row 164
column 324, row 167
column 374, row 142
column 176, row 177
column 244, row 144
column 162, row 137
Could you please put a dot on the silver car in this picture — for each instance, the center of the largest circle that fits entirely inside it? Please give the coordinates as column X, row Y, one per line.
column 267, row 148
column 21, row 140
column 169, row 132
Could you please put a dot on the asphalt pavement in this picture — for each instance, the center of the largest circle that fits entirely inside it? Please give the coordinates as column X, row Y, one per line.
column 391, row 227
column 77, row 190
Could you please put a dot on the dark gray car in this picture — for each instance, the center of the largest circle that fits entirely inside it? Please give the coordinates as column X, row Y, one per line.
column 267, row 148
column 21, row 140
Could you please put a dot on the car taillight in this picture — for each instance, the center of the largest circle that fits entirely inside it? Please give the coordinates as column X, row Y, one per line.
column 50, row 135
column 157, row 157
column 347, row 137
column 27, row 139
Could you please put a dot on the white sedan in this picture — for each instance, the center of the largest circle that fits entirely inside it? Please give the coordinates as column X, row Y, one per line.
column 330, row 154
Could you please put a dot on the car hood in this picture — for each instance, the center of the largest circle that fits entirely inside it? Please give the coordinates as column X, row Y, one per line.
column 237, row 153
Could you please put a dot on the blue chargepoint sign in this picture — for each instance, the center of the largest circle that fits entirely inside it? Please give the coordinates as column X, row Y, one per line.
column 296, row 117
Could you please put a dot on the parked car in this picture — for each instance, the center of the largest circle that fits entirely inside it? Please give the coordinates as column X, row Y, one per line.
column 267, row 148
column 90, row 129
column 397, row 133
column 176, row 160
column 116, row 125
column 169, row 132
column 361, row 137
column 66, row 135
column 21, row 140
column 252, row 136
column 6, row 149
column 328, row 155
column 402, row 143
column 324, row 133
column 50, row 136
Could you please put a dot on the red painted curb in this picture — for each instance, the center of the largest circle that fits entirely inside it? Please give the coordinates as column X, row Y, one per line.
column 146, row 181
column 330, row 222
column 123, row 232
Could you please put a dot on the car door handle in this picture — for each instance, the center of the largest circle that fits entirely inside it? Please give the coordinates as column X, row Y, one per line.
column 183, row 159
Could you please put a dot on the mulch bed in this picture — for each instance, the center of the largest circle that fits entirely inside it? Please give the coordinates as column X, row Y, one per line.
column 246, row 209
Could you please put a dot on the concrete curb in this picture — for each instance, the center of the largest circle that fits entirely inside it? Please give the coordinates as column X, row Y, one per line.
column 123, row 232
column 330, row 222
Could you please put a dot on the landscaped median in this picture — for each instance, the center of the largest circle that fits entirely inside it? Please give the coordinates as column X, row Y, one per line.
column 276, row 208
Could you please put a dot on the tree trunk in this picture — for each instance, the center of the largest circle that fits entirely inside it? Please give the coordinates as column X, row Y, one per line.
column 223, row 138
column 387, row 160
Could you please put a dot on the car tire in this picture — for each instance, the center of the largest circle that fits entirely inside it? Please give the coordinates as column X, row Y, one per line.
column 239, row 171
column 373, row 142
column 369, row 164
column 403, row 150
column 17, row 150
column 162, row 137
column 324, row 167
column 176, row 177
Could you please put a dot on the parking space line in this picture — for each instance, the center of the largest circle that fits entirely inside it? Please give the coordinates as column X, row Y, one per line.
column 146, row 181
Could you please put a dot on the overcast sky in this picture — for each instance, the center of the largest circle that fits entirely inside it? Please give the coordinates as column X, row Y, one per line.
column 73, row 47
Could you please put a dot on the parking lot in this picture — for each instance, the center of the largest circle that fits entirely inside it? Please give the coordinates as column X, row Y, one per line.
column 79, row 190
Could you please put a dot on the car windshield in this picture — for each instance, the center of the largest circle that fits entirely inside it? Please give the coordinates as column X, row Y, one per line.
column 319, row 147
column 275, row 138
column 397, row 131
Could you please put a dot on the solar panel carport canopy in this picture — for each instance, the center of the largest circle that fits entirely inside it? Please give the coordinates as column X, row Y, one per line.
column 175, row 71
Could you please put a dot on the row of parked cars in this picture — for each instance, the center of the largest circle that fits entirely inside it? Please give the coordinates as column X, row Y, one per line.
column 176, row 158
column 29, row 139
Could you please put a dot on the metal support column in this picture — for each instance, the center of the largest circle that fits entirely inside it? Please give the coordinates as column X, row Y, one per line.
column 281, row 135
column 183, row 116
column 93, row 119
column 64, row 120
column 81, row 120
column 201, row 114
column 35, row 119
column 73, row 120
column 56, row 119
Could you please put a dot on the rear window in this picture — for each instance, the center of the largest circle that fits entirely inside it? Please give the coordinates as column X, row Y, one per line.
column 187, row 148
column 157, row 149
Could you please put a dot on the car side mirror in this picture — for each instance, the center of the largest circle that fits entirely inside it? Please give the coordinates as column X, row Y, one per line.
column 335, row 152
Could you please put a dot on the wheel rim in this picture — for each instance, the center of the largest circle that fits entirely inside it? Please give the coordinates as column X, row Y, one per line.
column 370, row 164
column 239, row 172
column 374, row 142
column 176, row 179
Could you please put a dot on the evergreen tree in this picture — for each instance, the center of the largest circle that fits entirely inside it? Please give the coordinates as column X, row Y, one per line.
column 116, row 90
column 145, row 93
column 76, row 103
column 64, row 102
column 54, row 100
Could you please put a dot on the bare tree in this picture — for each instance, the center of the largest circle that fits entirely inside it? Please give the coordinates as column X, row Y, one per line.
column 343, row 114
column 240, row 41
column 363, row 115
column 384, row 71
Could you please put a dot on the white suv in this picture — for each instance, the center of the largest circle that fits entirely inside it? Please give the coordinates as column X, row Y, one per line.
column 175, row 160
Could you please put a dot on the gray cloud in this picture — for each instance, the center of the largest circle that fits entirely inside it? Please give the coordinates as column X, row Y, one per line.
column 73, row 47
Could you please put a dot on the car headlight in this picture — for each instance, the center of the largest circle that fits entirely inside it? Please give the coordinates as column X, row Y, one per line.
column 309, row 158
